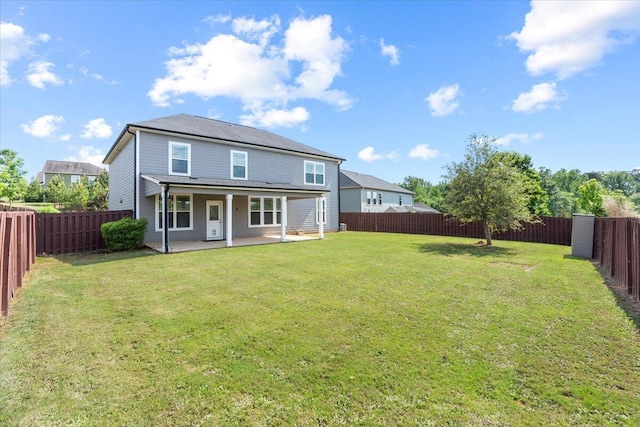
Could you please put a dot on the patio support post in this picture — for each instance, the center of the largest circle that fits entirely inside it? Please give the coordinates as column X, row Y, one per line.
column 283, row 218
column 165, row 218
column 229, row 222
column 320, row 204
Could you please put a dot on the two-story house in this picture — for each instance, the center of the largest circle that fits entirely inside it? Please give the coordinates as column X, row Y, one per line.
column 69, row 172
column 198, row 179
column 360, row 192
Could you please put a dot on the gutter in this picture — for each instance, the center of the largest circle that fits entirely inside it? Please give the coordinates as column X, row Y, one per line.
column 135, row 171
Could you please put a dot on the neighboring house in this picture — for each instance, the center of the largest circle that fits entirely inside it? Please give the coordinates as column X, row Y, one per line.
column 360, row 192
column 417, row 207
column 196, row 178
column 70, row 172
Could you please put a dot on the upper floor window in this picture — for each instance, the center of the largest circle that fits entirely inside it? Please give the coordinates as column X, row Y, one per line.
column 179, row 158
column 380, row 198
column 400, row 199
column 375, row 197
column 313, row 173
column 368, row 197
column 75, row 179
column 239, row 163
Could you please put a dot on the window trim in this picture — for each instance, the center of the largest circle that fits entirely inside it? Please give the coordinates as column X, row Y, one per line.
column 183, row 144
column 324, row 211
column 174, row 213
column 315, row 164
column 246, row 165
column 74, row 179
column 275, row 211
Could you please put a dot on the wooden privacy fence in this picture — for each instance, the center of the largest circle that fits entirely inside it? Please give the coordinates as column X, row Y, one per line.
column 617, row 249
column 68, row 232
column 17, row 252
column 552, row 230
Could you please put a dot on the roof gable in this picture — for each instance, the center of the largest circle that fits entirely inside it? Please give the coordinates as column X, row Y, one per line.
column 354, row 179
column 195, row 126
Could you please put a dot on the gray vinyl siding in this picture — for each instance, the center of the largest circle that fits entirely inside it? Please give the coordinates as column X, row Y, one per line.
column 213, row 160
column 351, row 200
column 121, row 179
column 355, row 200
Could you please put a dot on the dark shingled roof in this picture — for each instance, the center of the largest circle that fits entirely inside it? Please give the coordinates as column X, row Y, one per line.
column 71, row 168
column 226, row 183
column 189, row 125
column 350, row 179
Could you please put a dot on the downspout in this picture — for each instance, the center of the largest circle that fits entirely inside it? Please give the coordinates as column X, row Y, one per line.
column 339, row 210
column 165, row 218
column 135, row 172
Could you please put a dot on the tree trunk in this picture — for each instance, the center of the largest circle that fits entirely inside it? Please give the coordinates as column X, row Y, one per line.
column 487, row 233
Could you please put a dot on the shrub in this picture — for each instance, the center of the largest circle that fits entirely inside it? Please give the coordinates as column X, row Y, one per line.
column 125, row 234
column 47, row 209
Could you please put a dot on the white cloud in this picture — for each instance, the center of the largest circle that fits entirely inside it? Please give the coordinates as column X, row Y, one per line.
column 523, row 138
column 39, row 75
column 14, row 44
column 43, row 127
column 85, row 72
column 566, row 37
column 259, row 72
column 96, row 128
column 262, row 30
column 422, row 151
column 368, row 154
column 275, row 117
column 538, row 98
column 65, row 137
column 88, row 154
column 44, row 37
column 443, row 101
column 217, row 19
column 391, row 51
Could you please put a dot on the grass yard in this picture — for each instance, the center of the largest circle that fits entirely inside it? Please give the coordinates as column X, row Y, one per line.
column 359, row 329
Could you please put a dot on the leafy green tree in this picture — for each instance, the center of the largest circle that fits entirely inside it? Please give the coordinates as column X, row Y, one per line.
column 98, row 193
column 590, row 199
column 616, row 204
column 78, row 196
column 12, row 182
column 484, row 188
column 56, row 191
column 569, row 181
column 425, row 192
column 34, row 192
column 538, row 204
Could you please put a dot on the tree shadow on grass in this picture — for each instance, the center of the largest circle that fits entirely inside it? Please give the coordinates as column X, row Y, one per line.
column 626, row 302
column 452, row 249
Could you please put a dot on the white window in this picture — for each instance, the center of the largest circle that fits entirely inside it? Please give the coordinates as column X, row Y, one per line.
column 313, row 173
column 75, row 179
column 91, row 178
column 179, row 158
column 400, row 199
column 265, row 211
column 239, row 164
column 180, row 213
column 368, row 197
column 375, row 197
column 380, row 199
column 321, row 210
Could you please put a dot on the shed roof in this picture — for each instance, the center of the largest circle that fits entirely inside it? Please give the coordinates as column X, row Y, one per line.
column 350, row 179
column 196, row 126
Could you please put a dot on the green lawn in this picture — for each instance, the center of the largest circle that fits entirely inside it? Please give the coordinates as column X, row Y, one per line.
column 358, row 329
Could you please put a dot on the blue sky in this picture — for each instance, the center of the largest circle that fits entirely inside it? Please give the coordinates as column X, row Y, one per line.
column 396, row 88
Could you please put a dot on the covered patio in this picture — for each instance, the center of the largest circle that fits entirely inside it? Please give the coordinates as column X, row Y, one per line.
column 198, row 245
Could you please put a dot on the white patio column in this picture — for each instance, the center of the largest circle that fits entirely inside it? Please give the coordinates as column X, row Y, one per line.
column 229, row 221
column 283, row 218
column 320, row 203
